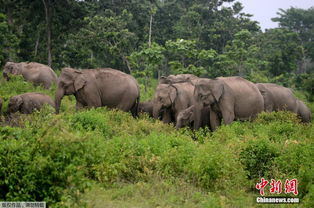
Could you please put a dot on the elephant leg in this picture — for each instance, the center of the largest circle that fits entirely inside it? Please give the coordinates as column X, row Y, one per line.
column 197, row 116
column 228, row 117
column 226, row 107
column 79, row 105
column 92, row 100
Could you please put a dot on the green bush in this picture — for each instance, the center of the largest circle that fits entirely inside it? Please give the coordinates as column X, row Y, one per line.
column 258, row 158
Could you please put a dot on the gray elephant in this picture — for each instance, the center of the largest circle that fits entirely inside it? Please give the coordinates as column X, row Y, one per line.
column 186, row 117
column 229, row 98
column 303, row 112
column 172, row 79
column 277, row 98
column 99, row 87
column 38, row 74
column 28, row 102
column 171, row 99
column 146, row 107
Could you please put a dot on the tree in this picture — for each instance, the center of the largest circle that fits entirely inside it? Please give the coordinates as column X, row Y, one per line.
column 8, row 41
column 147, row 62
column 184, row 57
column 282, row 49
column 106, row 40
column 300, row 21
column 240, row 57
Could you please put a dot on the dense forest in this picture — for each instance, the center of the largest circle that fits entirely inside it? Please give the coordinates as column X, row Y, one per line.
column 101, row 157
column 150, row 38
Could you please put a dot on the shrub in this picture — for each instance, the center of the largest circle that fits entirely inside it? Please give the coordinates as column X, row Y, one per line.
column 258, row 158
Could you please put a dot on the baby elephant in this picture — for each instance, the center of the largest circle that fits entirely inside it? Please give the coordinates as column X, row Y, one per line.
column 186, row 117
column 26, row 103
column 146, row 107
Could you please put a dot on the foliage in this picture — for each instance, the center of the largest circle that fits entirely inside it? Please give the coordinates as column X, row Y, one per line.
column 100, row 156
column 147, row 62
column 102, row 39
column 299, row 21
column 77, row 159
column 8, row 41
column 240, row 57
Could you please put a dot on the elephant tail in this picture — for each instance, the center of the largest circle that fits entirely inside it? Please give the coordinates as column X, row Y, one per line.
column 135, row 108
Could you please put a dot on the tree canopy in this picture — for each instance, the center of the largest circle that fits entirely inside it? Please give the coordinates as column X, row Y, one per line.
column 159, row 37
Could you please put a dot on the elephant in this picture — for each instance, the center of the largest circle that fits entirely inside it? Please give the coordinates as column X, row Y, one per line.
column 146, row 107
column 171, row 99
column 38, row 74
column 304, row 112
column 229, row 98
column 172, row 79
column 99, row 87
column 186, row 117
column 28, row 102
column 277, row 98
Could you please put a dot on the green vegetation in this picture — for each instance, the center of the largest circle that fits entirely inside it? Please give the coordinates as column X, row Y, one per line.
column 151, row 38
column 99, row 156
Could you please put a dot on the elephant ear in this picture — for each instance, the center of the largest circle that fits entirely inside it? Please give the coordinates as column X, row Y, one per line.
column 217, row 89
column 79, row 82
column 173, row 93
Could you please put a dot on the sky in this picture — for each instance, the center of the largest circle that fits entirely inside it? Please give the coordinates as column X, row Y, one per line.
column 264, row 10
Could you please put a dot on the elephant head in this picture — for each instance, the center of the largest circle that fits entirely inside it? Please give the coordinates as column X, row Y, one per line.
column 185, row 117
column 164, row 98
column 14, row 104
column 11, row 68
column 208, row 91
column 69, row 82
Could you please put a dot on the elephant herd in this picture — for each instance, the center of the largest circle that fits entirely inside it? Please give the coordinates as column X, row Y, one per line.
column 187, row 100
column 184, row 100
column 91, row 88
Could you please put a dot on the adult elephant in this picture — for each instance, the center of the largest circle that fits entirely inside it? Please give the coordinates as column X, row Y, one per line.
column 171, row 99
column 38, row 74
column 28, row 102
column 303, row 112
column 277, row 98
column 99, row 87
column 229, row 98
column 172, row 79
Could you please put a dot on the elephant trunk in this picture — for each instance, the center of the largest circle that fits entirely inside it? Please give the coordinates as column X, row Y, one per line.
column 156, row 110
column 58, row 98
column 178, row 125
